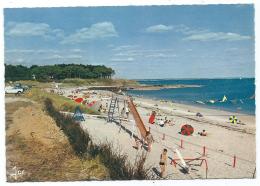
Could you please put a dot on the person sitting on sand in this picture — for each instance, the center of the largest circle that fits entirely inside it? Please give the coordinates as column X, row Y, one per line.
column 170, row 123
column 163, row 162
column 161, row 123
column 203, row 133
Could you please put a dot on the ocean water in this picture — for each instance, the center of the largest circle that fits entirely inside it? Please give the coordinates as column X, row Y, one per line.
column 239, row 92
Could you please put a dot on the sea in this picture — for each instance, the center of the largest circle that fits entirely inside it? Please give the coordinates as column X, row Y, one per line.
column 239, row 93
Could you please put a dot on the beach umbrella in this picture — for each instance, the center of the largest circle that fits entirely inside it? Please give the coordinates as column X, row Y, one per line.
column 78, row 100
column 187, row 130
column 233, row 119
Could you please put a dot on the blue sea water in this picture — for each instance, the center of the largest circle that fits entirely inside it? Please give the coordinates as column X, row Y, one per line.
column 239, row 92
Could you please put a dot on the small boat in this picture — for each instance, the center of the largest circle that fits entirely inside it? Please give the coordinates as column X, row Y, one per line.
column 200, row 102
column 212, row 101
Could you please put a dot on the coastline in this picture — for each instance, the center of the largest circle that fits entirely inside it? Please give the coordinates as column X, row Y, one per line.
column 215, row 116
column 160, row 87
column 224, row 140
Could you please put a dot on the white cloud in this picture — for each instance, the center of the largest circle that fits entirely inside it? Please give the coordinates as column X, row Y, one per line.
column 25, row 29
column 73, row 56
column 125, row 47
column 19, row 51
column 95, row 31
column 76, row 50
column 158, row 28
column 206, row 35
column 216, row 36
column 187, row 30
column 160, row 55
column 129, row 59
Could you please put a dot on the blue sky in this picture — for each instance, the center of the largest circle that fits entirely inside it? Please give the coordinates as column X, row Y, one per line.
column 196, row 41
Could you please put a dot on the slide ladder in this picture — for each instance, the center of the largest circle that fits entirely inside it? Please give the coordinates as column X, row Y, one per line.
column 114, row 105
column 137, row 118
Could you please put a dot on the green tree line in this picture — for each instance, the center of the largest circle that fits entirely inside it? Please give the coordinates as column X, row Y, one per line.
column 56, row 72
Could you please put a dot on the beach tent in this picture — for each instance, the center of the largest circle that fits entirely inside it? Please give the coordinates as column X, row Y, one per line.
column 187, row 130
column 78, row 100
column 78, row 115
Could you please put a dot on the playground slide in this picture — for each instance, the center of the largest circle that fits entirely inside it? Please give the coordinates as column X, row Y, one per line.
column 137, row 118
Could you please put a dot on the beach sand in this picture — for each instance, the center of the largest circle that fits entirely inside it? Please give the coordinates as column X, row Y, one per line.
column 223, row 142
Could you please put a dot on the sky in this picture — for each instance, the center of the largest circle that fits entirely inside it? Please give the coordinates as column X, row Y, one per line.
column 138, row 42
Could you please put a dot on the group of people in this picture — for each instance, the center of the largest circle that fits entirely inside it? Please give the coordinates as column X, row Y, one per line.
column 161, row 122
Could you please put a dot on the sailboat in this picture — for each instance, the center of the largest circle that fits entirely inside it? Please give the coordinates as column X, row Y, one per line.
column 224, row 99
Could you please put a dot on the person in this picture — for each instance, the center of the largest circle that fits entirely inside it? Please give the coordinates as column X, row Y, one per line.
column 203, row 133
column 161, row 123
column 166, row 121
column 127, row 112
column 100, row 108
column 163, row 162
column 122, row 112
column 149, row 140
column 137, row 144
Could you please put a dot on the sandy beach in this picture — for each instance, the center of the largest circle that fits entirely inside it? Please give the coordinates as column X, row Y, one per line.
column 223, row 141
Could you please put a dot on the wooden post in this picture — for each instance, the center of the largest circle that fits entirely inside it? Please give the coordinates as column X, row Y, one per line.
column 234, row 161
column 204, row 151
column 163, row 138
column 181, row 144
column 173, row 160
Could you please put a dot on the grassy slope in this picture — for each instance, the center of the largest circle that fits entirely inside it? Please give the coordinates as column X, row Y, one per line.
column 83, row 82
column 98, row 82
column 41, row 157
column 60, row 102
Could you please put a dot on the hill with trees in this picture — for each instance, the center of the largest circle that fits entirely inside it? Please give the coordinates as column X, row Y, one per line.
column 57, row 72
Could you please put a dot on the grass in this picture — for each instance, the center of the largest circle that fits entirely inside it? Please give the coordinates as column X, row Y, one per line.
column 79, row 82
column 60, row 102
column 97, row 82
column 57, row 163
column 116, row 163
column 41, row 162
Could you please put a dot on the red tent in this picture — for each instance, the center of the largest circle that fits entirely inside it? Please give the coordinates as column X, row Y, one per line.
column 152, row 117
